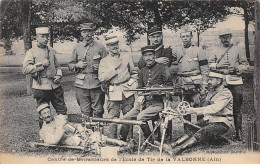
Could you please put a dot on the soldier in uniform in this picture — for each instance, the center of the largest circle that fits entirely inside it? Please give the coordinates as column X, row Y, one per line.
column 192, row 65
column 56, row 130
column 84, row 62
column 218, row 116
column 153, row 74
column 41, row 62
column 118, row 70
column 162, row 55
column 231, row 60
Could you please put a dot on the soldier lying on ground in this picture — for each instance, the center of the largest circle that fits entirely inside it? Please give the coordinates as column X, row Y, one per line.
column 57, row 130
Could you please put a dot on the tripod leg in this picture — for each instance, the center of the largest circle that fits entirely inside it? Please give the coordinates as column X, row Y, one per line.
column 165, row 124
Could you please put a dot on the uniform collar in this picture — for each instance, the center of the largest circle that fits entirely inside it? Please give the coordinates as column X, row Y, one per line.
column 90, row 43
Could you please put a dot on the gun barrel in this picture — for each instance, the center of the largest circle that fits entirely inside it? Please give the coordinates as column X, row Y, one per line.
column 118, row 121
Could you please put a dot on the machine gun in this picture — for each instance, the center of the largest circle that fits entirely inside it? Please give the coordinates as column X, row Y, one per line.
column 168, row 112
column 96, row 140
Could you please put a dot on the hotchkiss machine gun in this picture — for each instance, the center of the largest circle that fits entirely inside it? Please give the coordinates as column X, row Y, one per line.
column 168, row 113
column 96, row 140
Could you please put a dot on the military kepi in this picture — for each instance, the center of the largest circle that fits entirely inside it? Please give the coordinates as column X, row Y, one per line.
column 42, row 106
column 42, row 30
column 154, row 30
column 87, row 26
column 110, row 40
column 147, row 48
column 224, row 32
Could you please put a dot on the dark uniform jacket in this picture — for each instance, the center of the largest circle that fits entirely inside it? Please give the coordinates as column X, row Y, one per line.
column 155, row 75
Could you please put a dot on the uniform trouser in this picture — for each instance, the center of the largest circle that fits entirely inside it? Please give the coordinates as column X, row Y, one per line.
column 114, row 112
column 55, row 96
column 208, row 131
column 150, row 113
column 236, row 91
column 91, row 101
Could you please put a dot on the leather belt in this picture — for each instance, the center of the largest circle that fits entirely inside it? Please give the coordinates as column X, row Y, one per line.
column 116, row 84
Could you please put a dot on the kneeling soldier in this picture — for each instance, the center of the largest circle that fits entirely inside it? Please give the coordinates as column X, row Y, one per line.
column 218, row 116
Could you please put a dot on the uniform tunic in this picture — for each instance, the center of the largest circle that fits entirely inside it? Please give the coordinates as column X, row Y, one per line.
column 92, row 53
column 192, row 65
column 55, row 133
column 159, row 52
column 32, row 64
column 121, row 79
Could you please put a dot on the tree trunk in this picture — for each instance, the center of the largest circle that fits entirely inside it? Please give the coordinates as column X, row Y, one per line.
column 257, row 76
column 51, row 37
column 246, row 33
column 26, row 10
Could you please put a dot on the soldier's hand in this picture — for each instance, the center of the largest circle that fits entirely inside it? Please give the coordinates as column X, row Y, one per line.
column 190, row 110
column 81, row 64
column 95, row 67
column 213, row 66
column 140, row 99
column 45, row 63
column 57, row 79
column 163, row 60
column 61, row 120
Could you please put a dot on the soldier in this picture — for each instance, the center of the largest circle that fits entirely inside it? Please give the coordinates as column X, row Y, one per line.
column 153, row 74
column 231, row 60
column 117, row 69
column 218, row 116
column 85, row 61
column 192, row 65
column 41, row 62
column 162, row 55
column 56, row 130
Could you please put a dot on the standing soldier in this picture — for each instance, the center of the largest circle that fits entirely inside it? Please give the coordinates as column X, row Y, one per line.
column 162, row 55
column 41, row 62
column 192, row 64
column 231, row 60
column 119, row 71
column 85, row 61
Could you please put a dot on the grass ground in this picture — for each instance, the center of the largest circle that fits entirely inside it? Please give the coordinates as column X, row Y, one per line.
column 19, row 121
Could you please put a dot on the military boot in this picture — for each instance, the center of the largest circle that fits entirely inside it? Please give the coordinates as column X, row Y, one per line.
column 112, row 130
column 238, row 126
column 180, row 140
column 186, row 145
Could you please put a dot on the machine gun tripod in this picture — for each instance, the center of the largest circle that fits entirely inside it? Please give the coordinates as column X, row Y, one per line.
column 168, row 112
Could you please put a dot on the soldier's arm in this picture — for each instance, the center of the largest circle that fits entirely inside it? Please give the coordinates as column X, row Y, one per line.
column 132, row 68
column 103, row 52
column 29, row 66
column 242, row 60
column 169, row 55
column 204, row 66
column 217, row 106
column 167, row 76
column 140, row 80
column 57, row 65
column 73, row 61
column 105, row 72
column 52, row 138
